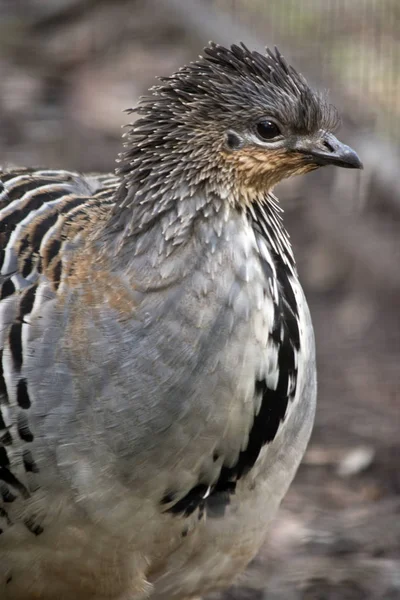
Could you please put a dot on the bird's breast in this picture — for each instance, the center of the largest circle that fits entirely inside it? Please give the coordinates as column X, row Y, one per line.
column 238, row 340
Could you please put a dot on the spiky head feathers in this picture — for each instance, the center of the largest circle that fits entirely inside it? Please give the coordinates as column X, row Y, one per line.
column 203, row 120
column 242, row 83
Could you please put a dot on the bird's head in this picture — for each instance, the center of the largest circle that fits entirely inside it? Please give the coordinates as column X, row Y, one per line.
column 237, row 120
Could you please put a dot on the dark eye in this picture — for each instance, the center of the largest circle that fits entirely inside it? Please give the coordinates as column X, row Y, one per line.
column 267, row 130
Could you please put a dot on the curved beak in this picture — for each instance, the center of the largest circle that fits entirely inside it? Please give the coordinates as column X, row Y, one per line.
column 328, row 150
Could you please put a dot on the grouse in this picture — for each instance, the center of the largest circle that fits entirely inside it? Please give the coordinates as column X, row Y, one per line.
column 157, row 363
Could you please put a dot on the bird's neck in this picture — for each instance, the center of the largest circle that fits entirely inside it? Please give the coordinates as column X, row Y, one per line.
column 150, row 231
column 169, row 228
column 266, row 218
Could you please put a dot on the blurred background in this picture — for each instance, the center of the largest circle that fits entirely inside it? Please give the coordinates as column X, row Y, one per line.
column 67, row 70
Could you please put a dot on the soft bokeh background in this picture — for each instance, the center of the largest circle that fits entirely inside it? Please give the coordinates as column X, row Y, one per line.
column 67, row 70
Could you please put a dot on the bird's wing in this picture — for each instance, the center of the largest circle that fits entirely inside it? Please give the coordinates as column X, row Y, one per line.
column 34, row 205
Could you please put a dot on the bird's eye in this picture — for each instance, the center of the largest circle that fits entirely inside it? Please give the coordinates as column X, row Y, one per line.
column 267, row 130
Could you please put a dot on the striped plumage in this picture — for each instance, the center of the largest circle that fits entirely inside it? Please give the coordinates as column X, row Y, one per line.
column 40, row 212
column 157, row 380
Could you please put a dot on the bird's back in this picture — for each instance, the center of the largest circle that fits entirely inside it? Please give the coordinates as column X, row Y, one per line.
column 35, row 205
column 41, row 211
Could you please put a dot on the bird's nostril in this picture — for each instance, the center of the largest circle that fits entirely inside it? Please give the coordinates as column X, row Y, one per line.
column 328, row 146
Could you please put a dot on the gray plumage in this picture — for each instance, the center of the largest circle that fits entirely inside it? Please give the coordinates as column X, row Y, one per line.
column 157, row 382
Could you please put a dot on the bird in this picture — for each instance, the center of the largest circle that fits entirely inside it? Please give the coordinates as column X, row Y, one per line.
column 157, row 357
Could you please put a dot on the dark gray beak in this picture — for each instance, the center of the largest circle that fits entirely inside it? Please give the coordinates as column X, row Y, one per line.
column 328, row 150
